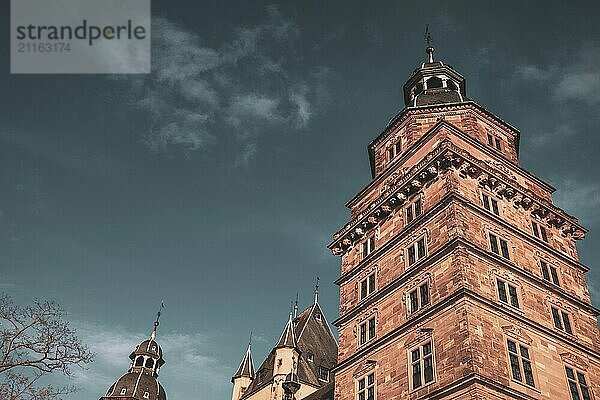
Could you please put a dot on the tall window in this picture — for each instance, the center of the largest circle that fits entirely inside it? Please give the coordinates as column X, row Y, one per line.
column 578, row 385
column 393, row 151
column 367, row 330
column 549, row 273
column 499, row 246
column 421, row 360
column 539, row 231
column 416, row 251
column 507, row 293
column 520, row 363
column 413, row 211
column 561, row 320
column 490, row 204
column 366, row 387
column 418, row 298
column 368, row 245
column 367, row 286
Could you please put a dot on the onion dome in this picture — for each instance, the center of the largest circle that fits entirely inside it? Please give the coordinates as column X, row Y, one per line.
column 140, row 382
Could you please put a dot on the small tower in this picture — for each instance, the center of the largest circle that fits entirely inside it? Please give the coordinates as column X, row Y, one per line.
column 244, row 374
column 287, row 354
column 140, row 382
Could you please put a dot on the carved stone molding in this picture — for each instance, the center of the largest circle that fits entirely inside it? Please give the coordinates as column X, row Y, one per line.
column 517, row 333
column 575, row 360
column 445, row 157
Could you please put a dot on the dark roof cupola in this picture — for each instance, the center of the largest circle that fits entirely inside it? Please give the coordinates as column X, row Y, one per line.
column 433, row 83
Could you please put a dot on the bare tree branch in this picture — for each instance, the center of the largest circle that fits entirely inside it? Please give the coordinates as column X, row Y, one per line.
column 36, row 340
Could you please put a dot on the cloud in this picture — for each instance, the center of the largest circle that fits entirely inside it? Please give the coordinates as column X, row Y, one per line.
column 577, row 78
column 189, row 363
column 242, row 88
column 578, row 198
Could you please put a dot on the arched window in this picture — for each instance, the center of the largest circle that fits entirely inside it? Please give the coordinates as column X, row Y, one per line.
column 434, row 82
column 146, row 395
column 451, row 85
column 149, row 363
column 139, row 361
column 123, row 390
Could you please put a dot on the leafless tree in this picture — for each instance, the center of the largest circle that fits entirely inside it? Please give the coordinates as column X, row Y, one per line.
column 36, row 341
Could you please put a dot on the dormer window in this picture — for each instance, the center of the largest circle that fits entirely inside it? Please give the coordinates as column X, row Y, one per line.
column 318, row 316
column 323, row 374
column 310, row 357
column 146, row 395
column 123, row 391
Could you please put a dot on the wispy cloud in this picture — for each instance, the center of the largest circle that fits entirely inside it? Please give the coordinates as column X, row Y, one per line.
column 242, row 87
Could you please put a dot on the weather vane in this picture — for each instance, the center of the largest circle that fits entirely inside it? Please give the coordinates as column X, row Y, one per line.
column 156, row 323
column 429, row 41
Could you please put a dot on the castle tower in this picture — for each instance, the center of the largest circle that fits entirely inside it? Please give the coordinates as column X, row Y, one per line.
column 140, row 382
column 460, row 278
column 287, row 354
column 243, row 376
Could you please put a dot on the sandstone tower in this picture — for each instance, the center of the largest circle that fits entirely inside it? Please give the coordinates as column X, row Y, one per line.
column 459, row 277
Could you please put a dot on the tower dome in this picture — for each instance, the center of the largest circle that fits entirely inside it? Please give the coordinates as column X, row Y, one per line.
column 434, row 83
column 140, row 382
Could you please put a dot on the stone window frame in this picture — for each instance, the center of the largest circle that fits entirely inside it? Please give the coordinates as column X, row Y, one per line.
column 531, row 359
column 572, row 312
column 540, row 231
column 577, row 381
column 424, row 340
column 362, row 320
column 541, row 257
column 393, row 148
column 488, row 230
column 494, row 141
column 371, row 247
column 364, row 275
column 564, row 318
column 491, row 197
column 510, row 279
column 419, row 198
column 372, row 371
column 415, row 284
column 414, row 243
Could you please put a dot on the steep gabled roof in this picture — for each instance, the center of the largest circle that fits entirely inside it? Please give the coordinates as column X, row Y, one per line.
column 313, row 338
column 246, row 367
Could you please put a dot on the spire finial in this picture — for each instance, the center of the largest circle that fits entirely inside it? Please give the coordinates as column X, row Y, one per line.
column 429, row 40
column 156, row 323
column 250, row 341
column 317, row 291
column 296, row 306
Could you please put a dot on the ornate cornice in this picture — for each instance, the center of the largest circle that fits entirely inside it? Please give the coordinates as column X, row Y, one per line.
column 447, row 156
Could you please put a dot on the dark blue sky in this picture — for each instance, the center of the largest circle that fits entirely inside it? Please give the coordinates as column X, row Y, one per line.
column 217, row 181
